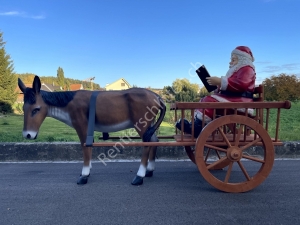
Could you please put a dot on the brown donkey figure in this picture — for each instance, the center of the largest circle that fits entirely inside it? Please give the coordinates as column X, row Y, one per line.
column 115, row 110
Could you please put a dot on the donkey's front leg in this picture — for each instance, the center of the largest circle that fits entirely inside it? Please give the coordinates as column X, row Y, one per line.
column 138, row 179
column 87, row 165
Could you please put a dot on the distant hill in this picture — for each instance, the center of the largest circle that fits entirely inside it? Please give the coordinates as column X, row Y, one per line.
column 28, row 79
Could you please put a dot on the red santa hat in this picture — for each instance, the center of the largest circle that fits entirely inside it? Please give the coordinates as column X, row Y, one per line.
column 243, row 51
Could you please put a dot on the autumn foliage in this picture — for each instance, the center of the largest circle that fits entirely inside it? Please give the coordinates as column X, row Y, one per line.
column 282, row 87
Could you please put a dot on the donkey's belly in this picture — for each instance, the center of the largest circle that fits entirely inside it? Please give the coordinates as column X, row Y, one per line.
column 114, row 127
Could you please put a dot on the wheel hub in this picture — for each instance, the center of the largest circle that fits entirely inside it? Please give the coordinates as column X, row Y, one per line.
column 234, row 154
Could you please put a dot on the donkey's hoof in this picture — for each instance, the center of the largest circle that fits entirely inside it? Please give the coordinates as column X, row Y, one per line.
column 149, row 173
column 84, row 175
column 82, row 180
column 137, row 180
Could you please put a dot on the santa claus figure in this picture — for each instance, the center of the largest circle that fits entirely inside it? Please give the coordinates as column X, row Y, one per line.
column 236, row 86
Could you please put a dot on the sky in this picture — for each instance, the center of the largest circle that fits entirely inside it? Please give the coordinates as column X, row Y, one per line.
column 149, row 43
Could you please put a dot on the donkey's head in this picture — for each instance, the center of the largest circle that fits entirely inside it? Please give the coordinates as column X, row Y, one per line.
column 35, row 109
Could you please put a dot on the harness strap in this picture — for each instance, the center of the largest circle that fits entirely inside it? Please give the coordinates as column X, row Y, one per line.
column 91, row 124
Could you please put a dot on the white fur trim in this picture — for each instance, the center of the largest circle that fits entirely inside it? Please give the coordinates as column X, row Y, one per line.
column 199, row 115
column 221, row 99
column 224, row 83
column 239, row 52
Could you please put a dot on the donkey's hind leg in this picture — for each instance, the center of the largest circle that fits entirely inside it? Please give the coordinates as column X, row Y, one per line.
column 152, row 155
column 142, row 172
column 138, row 179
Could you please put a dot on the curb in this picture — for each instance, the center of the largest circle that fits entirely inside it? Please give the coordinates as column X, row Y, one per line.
column 71, row 151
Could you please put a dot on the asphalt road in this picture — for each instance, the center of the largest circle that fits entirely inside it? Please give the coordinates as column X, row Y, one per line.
column 47, row 193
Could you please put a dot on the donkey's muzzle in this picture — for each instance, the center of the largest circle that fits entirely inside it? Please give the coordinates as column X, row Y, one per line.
column 30, row 135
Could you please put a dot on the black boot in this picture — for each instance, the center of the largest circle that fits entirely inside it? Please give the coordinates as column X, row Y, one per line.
column 197, row 127
column 186, row 126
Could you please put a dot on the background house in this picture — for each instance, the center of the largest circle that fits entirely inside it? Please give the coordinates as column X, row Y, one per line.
column 76, row 87
column 44, row 87
column 120, row 84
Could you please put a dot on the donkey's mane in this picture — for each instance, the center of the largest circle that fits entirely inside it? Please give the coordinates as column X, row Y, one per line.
column 59, row 99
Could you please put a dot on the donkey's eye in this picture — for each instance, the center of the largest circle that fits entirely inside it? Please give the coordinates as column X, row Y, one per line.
column 35, row 111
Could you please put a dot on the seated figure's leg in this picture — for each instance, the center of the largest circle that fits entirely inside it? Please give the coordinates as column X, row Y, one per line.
column 207, row 112
column 186, row 126
column 198, row 115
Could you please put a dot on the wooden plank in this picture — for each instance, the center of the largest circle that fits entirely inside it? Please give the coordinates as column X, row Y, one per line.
column 224, row 105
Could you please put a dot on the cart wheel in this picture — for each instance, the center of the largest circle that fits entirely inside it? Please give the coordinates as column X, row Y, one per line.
column 244, row 171
column 190, row 152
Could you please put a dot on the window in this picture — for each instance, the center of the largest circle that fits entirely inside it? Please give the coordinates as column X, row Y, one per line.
column 123, row 84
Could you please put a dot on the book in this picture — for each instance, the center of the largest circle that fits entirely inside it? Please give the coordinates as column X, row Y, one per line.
column 202, row 74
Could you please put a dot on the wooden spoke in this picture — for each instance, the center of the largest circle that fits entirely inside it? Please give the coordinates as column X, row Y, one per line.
column 218, row 154
column 207, row 155
column 250, row 144
column 215, row 148
column 244, row 170
column 253, row 158
column 224, row 136
column 216, row 163
column 228, row 172
column 237, row 138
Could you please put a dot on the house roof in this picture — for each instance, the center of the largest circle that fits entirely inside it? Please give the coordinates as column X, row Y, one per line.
column 75, row 87
column 44, row 87
column 50, row 87
column 119, row 80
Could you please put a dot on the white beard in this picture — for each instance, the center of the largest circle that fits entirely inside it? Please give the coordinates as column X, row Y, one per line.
column 243, row 61
column 231, row 70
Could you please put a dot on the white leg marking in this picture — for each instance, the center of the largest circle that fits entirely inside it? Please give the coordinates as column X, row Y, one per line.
column 142, row 171
column 151, row 165
column 90, row 164
column 85, row 170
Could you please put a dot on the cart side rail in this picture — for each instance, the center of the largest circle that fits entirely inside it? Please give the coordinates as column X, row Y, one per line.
column 232, row 108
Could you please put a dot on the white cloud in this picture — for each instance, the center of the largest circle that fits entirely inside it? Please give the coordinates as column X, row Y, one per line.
column 22, row 14
column 263, row 62
column 291, row 66
column 10, row 13
column 284, row 67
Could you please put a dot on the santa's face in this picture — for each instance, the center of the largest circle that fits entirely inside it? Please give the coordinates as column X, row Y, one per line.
column 234, row 60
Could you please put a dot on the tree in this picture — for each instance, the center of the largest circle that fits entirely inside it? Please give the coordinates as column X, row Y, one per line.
column 282, row 87
column 61, row 77
column 8, row 80
column 182, row 91
column 185, row 91
column 203, row 92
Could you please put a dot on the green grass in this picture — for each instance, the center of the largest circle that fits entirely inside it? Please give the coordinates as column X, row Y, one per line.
column 289, row 128
column 52, row 130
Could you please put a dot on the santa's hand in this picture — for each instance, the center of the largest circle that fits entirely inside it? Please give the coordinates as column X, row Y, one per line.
column 214, row 81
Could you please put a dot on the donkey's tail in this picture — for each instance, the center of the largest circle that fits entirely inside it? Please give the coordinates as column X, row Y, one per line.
column 151, row 130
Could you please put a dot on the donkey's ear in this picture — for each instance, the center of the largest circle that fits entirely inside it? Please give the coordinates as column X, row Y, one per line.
column 21, row 85
column 36, row 85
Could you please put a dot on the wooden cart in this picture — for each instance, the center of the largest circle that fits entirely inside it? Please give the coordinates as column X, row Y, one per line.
column 224, row 151
column 228, row 141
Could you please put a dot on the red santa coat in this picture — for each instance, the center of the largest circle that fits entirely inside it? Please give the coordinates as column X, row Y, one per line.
column 243, row 80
